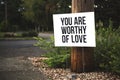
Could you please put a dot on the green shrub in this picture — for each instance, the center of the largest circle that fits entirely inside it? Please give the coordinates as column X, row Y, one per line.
column 57, row 55
column 30, row 34
column 107, row 52
column 1, row 34
column 59, row 61
column 9, row 34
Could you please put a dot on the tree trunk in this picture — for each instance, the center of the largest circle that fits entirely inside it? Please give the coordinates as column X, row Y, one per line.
column 82, row 57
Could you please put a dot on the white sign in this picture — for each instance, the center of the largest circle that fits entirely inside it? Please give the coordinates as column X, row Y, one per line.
column 74, row 29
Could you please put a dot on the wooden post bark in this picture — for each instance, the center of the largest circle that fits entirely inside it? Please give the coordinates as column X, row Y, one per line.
column 82, row 57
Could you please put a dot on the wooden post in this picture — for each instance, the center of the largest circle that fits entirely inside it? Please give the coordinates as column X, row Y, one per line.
column 82, row 57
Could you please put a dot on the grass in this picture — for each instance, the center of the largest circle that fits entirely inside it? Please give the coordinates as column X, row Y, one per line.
column 1, row 34
column 22, row 38
column 17, row 36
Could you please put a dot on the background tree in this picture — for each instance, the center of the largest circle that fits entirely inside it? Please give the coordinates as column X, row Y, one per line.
column 108, row 10
column 39, row 12
column 10, row 9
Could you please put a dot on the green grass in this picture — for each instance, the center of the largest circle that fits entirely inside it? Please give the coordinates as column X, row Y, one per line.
column 1, row 34
column 17, row 36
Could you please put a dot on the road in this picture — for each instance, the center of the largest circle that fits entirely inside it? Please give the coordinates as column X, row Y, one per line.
column 12, row 48
column 14, row 63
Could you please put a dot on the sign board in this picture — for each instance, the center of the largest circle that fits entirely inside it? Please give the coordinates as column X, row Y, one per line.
column 74, row 29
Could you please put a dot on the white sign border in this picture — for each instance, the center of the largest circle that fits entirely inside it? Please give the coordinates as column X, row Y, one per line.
column 57, row 32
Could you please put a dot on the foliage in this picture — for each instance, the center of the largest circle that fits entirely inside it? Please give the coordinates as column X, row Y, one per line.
column 39, row 12
column 9, row 34
column 59, row 61
column 107, row 54
column 2, row 26
column 30, row 34
column 57, row 55
column 108, row 9
column 9, row 13
column 1, row 34
column 31, row 14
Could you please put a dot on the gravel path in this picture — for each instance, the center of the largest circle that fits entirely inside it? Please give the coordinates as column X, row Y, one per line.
column 66, row 74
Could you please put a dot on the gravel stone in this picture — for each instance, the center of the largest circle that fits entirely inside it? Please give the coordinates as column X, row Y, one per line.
column 66, row 74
